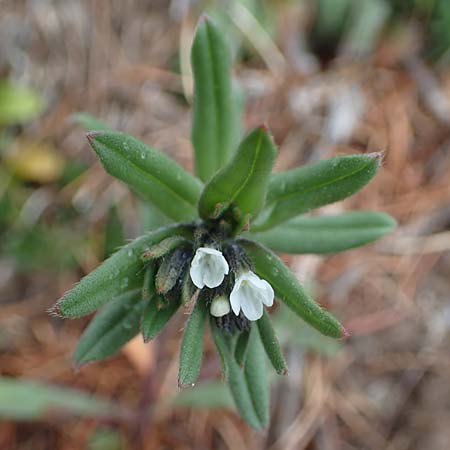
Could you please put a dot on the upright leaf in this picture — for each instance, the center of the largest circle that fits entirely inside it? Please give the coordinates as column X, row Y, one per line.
column 119, row 273
column 214, row 129
column 327, row 234
column 116, row 324
column 255, row 371
column 271, row 344
column 269, row 267
column 242, row 184
column 300, row 190
column 191, row 351
column 157, row 178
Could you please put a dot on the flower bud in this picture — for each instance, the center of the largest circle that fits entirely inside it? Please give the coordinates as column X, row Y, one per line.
column 220, row 306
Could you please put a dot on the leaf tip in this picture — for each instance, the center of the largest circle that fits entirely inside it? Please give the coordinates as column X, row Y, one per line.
column 377, row 156
column 92, row 135
column 55, row 310
column 345, row 334
column 264, row 128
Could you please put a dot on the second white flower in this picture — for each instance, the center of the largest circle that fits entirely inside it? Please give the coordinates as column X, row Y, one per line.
column 250, row 293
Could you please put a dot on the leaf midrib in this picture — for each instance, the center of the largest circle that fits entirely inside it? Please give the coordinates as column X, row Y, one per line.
column 252, row 168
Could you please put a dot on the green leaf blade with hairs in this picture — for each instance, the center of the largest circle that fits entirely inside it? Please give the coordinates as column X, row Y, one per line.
column 300, row 190
column 243, row 183
column 326, row 234
column 215, row 130
column 191, row 351
column 236, row 379
column 269, row 267
column 155, row 318
column 271, row 345
column 255, row 372
column 157, row 178
column 111, row 328
column 121, row 272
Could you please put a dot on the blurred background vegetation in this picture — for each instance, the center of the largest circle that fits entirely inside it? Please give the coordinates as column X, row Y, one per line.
column 329, row 77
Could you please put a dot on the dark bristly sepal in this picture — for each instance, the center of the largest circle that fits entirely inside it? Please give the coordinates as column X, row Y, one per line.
column 172, row 269
column 164, row 247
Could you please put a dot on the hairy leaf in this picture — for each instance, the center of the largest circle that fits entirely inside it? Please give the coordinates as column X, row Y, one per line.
column 111, row 328
column 255, row 371
column 236, row 379
column 327, row 234
column 271, row 344
column 215, row 130
column 157, row 178
column 119, row 273
column 192, row 346
column 300, row 190
column 155, row 318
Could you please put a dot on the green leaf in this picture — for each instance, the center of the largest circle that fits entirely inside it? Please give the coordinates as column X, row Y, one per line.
column 301, row 190
column 271, row 344
column 241, row 347
column 114, row 234
column 242, row 184
column 269, row 267
column 121, row 272
column 156, row 318
column 215, row 130
column 206, row 395
column 191, row 351
column 115, row 325
column 157, row 178
column 255, row 371
column 30, row 400
column 18, row 104
column 236, row 379
column 88, row 122
column 327, row 234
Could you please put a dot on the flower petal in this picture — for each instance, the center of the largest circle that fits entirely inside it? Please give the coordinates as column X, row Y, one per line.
column 235, row 298
column 252, row 307
column 208, row 267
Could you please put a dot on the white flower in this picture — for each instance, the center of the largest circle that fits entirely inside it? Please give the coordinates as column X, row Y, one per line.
column 220, row 306
column 208, row 268
column 250, row 293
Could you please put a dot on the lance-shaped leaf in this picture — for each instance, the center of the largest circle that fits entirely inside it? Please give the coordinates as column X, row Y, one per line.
column 111, row 328
column 327, row 234
column 191, row 351
column 271, row 344
column 121, row 272
column 242, row 184
column 236, row 378
column 157, row 178
column 255, row 371
column 300, row 190
column 269, row 267
column 215, row 128
column 156, row 318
